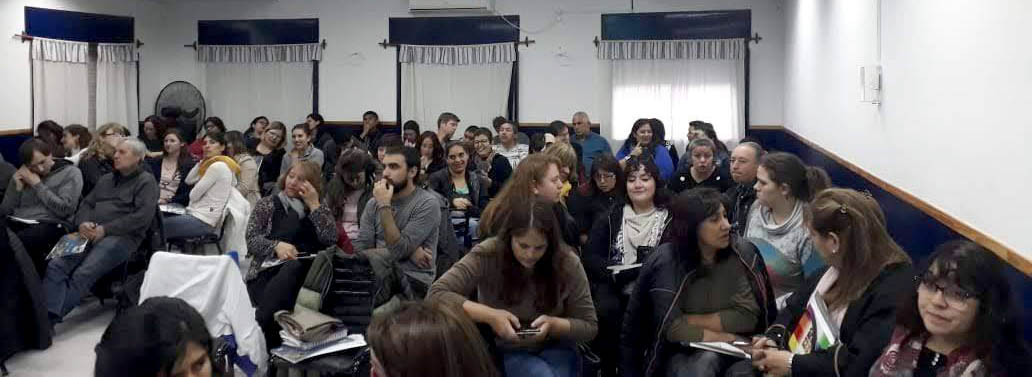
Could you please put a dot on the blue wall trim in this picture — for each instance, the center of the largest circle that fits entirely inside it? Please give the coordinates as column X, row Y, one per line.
column 677, row 25
column 442, row 31
column 914, row 230
column 78, row 26
column 258, row 32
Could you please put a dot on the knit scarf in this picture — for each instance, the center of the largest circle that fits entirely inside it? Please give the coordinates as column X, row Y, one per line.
column 294, row 204
column 233, row 166
column 642, row 229
column 900, row 358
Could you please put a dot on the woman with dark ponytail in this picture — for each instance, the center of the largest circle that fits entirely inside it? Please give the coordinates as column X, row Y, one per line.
column 784, row 186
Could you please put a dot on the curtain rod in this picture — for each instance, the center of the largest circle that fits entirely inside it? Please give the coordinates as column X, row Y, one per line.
column 194, row 45
column 525, row 42
column 25, row 38
column 756, row 38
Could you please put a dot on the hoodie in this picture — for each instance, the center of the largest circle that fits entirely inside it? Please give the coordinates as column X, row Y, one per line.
column 54, row 199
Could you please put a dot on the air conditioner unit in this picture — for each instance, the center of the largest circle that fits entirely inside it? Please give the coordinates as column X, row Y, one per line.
column 450, row 5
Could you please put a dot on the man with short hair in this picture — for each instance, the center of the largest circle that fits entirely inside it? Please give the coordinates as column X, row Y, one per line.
column 521, row 137
column 745, row 159
column 494, row 169
column 592, row 144
column 469, row 134
column 562, row 132
column 508, row 147
column 402, row 220
column 114, row 217
column 447, row 123
column 371, row 135
column 45, row 191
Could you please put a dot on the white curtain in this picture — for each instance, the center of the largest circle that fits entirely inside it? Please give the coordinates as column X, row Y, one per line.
column 116, row 85
column 471, row 81
column 238, row 92
column 476, row 93
column 678, row 92
column 60, row 81
column 678, row 82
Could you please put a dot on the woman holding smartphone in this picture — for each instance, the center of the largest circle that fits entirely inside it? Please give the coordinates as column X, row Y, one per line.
column 530, row 289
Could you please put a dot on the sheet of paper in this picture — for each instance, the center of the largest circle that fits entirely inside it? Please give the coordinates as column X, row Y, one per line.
column 721, row 347
column 23, row 221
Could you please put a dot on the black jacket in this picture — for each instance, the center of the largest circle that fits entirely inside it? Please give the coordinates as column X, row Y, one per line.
column 268, row 171
column 737, row 200
column 23, row 314
column 643, row 351
column 182, row 195
column 865, row 329
column 123, row 204
column 600, row 249
column 92, row 169
column 588, row 209
column 440, row 181
column 500, row 172
column 682, row 180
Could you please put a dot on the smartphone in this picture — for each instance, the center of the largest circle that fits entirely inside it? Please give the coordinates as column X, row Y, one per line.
column 527, row 332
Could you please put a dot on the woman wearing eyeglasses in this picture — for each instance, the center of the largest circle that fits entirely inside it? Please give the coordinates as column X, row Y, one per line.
column 269, row 156
column 959, row 321
column 96, row 161
column 860, row 288
column 604, row 191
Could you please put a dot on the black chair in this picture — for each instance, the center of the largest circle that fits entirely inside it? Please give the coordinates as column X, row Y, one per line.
column 196, row 243
column 117, row 284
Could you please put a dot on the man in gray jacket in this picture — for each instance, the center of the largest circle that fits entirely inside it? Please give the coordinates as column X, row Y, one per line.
column 41, row 198
column 403, row 220
column 114, row 217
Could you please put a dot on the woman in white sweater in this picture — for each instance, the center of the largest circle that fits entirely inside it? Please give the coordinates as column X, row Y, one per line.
column 213, row 180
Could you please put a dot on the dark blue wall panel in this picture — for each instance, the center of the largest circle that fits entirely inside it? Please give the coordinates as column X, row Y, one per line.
column 9, row 147
column 677, row 25
column 258, row 32
column 914, row 230
column 78, row 26
column 453, row 30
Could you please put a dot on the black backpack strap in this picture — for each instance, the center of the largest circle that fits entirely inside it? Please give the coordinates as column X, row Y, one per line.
column 759, row 279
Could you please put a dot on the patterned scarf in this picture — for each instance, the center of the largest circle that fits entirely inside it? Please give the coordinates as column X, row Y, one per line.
column 900, row 358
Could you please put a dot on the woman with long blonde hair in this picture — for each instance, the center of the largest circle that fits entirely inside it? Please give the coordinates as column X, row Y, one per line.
column 538, row 176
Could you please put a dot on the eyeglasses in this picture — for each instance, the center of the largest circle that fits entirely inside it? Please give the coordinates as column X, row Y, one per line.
column 955, row 296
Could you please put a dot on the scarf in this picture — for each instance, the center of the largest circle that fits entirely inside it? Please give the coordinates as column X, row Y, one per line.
column 292, row 203
column 233, row 166
column 639, row 230
column 900, row 358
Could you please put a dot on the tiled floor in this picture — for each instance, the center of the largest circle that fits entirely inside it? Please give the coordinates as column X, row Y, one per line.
column 71, row 354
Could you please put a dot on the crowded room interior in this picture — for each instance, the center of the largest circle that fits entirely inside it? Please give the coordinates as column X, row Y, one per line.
column 521, row 188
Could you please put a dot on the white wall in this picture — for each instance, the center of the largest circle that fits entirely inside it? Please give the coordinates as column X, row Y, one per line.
column 16, row 97
column 357, row 75
column 949, row 130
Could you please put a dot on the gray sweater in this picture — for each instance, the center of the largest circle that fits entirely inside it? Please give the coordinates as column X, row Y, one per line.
column 123, row 204
column 53, row 199
column 792, row 243
column 418, row 217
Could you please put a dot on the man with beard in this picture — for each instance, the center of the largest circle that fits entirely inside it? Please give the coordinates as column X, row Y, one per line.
column 745, row 159
column 44, row 190
column 492, row 168
column 402, row 220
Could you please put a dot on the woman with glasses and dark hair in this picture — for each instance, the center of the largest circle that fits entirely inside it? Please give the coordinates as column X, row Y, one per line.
column 268, row 154
column 604, row 191
column 855, row 296
column 960, row 320
column 253, row 134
